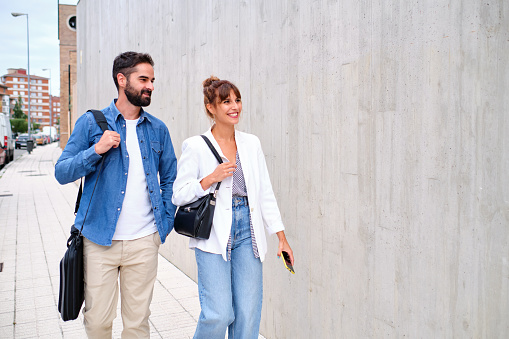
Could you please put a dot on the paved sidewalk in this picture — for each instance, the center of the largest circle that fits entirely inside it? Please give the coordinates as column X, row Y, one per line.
column 36, row 214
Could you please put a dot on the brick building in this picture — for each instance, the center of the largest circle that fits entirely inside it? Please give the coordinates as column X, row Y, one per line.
column 67, row 37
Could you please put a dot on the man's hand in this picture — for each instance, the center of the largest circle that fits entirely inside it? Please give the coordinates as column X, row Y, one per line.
column 108, row 140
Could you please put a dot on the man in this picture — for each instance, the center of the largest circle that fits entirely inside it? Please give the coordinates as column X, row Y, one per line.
column 130, row 213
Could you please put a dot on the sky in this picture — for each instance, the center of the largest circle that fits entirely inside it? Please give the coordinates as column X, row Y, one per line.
column 44, row 43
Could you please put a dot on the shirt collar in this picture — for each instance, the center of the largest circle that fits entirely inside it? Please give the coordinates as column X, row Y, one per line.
column 117, row 113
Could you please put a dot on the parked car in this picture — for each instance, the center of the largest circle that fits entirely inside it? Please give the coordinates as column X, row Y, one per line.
column 51, row 131
column 40, row 139
column 6, row 140
column 21, row 140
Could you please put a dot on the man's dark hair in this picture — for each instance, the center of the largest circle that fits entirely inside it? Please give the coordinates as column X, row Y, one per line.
column 126, row 62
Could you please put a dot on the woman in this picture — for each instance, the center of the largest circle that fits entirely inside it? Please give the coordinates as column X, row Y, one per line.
column 230, row 261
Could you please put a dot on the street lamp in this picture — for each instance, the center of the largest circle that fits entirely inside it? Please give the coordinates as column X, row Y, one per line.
column 50, row 104
column 28, row 62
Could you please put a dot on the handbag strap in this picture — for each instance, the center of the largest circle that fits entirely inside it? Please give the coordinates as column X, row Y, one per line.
column 214, row 151
column 103, row 124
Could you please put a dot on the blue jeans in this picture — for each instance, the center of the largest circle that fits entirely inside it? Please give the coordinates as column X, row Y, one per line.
column 231, row 292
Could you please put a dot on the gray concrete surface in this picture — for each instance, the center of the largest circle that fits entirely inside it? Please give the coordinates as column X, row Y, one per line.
column 386, row 134
column 36, row 214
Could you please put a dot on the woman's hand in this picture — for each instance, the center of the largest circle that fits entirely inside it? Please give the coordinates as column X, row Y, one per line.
column 221, row 172
column 284, row 245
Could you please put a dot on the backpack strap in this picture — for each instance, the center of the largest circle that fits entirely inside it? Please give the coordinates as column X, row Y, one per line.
column 101, row 121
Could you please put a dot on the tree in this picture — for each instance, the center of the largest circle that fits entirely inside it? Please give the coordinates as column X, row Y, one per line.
column 17, row 112
column 19, row 123
column 19, row 126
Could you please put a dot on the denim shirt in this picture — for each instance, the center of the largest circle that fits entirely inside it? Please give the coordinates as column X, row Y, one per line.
column 79, row 159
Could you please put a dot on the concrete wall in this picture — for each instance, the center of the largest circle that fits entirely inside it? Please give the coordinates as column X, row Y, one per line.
column 386, row 135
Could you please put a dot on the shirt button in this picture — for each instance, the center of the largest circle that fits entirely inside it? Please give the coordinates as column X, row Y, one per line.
column 126, row 173
column 141, row 140
column 155, row 207
column 151, row 191
column 127, row 156
column 147, row 173
column 118, row 209
column 122, row 192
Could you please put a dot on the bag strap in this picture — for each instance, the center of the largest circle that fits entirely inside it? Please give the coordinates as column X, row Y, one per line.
column 213, row 149
column 100, row 119
column 103, row 124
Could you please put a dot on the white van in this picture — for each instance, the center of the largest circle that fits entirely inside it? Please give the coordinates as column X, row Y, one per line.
column 6, row 140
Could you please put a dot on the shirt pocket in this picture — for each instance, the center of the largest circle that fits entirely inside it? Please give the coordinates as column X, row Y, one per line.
column 156, row 147
column 156, row 152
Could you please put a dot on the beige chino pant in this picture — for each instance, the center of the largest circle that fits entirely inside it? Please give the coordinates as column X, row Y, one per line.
column 135, row 261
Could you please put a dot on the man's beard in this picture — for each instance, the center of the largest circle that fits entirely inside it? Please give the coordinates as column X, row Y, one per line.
column 135, row 98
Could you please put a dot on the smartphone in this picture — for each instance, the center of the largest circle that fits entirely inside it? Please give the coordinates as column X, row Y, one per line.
column 287, row 262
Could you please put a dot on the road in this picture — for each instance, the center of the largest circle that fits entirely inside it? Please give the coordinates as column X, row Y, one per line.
column 20, row 152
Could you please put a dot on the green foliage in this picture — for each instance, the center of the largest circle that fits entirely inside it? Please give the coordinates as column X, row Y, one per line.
column 19, row 125
column 17, row 112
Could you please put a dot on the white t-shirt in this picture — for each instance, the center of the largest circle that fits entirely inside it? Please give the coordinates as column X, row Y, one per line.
column 136, row 218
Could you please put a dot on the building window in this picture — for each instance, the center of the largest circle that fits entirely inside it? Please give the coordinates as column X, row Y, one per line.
column 15, row 86
column 71, row 22
column 15, row 92
column 14, row 79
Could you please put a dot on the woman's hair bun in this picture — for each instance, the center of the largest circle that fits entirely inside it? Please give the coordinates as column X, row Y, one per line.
column 209, row 81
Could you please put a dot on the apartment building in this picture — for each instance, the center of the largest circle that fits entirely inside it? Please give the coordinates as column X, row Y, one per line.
column 4, row 108
column 55, row 110
column 16, row 80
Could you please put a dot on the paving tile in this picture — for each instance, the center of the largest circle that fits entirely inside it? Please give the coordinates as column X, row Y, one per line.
column 45, row 301
column 7, row 285
column 6, row 296
column 26, row 330
column 25, row 316
column 49, row 327
column 7, row 331
column 6, row 319
column 49, row 312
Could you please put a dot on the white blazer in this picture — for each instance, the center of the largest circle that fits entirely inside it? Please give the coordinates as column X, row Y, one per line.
column 197, row 161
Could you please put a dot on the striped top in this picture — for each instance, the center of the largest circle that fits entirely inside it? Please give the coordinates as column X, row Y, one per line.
column 239, row 184
column 239, row 189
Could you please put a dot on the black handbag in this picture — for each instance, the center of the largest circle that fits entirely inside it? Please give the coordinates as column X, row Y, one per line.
column 195, row 219
column 72, row 289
